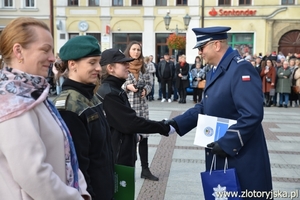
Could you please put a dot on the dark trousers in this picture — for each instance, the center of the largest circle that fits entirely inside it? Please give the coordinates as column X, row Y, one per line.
column 267, row 99
column 197, row 94
column 182, row 92
column 152, row 89
column 165, row 82
column 143, row 152
column 175, row 92
column 159, row 90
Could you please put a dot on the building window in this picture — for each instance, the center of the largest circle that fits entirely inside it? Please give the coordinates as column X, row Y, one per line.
column 72, row 2
column 93, row 2
column 29, row 3
column 8, row 3
column 71, row 35
column 62, row 36
column 121, row 40
column 117, row 2
column 161, row 2
column 244, row 2
column 162, row 47
column 224, row 2
column 137, row 2
column 287, row 2
column 181, row 2
column 242, row 42
column 96, row 35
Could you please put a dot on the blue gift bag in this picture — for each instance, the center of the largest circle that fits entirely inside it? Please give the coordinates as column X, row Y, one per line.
column 220, row 184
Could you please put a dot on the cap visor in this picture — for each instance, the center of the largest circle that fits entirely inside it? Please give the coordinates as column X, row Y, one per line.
column 125, row 60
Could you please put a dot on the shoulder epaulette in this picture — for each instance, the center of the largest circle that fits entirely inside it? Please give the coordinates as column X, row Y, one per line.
column 60, row 102
column 238, row 59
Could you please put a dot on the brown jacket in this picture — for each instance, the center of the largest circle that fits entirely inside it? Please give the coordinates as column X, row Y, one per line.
column 266, row 86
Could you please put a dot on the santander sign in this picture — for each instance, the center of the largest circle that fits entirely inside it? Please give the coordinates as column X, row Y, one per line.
column 232, row 12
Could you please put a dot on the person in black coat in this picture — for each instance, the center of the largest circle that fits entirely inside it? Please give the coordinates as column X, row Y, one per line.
column 182, row 78
column 166, row 70
column 123, row 120
column 82, row 112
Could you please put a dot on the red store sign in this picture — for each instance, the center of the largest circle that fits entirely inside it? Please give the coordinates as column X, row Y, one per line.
column 233, row 12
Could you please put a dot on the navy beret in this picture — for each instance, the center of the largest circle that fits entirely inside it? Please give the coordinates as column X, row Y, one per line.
column 207, row 34
column 113, row 55
column 80, row 47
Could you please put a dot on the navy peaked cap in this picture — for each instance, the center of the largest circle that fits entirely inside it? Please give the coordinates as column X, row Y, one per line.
column 207, row 34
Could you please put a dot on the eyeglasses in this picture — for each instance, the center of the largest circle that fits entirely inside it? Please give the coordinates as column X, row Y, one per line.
column 203, row 46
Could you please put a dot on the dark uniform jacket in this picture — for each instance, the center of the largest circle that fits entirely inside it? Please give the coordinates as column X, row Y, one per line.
column 123, row 121
column 83, row 114
column 235, row 92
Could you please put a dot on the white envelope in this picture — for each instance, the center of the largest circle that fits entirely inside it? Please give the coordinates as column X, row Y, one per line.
column 210, row 129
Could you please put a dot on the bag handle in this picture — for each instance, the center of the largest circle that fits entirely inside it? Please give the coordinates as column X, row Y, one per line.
column 214, row 164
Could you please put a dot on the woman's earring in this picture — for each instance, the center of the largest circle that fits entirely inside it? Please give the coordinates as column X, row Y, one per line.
column 20, row 61
column 75, row 70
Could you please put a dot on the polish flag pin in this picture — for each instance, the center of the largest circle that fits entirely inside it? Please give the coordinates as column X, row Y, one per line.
column 246, row 78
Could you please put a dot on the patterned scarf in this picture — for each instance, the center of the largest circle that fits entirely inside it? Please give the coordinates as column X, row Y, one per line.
column 20, row 92
column 135, row 67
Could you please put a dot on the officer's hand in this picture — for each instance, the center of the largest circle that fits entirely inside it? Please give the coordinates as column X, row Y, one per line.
column 172, row 130
column 216, row 149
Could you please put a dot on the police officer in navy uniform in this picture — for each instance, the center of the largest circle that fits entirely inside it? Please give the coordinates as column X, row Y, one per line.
column 233, row 90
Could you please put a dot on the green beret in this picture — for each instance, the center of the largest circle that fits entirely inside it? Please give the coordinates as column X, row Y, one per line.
column 80, row 47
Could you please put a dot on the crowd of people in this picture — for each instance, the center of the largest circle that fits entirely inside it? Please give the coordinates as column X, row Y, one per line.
column 279, row 76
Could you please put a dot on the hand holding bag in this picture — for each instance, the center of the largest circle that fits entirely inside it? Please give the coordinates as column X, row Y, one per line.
column 184, row 77
column 220, row 184
column 269, row 80
column 201, row 84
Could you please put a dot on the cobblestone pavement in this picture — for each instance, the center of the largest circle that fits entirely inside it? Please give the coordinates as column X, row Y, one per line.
column 177, row 161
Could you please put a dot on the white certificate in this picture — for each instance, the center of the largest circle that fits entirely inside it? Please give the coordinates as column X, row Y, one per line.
column 210, row 129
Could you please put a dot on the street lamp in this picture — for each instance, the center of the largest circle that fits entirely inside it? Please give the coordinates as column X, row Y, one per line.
column 186, row 21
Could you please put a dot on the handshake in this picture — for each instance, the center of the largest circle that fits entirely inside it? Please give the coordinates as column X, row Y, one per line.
column 172, row 125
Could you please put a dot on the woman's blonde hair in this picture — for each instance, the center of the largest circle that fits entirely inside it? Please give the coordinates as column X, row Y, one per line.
column 20, row 31
column 146, row 59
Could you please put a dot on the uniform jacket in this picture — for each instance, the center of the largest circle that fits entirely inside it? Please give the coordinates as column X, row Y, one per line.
column 230, row 94
column 44, row 164
column 266, row 86
column 184, row 72
column 283, row 80
column 123, row 121
column 82, row 112
column 161, row 68
column 138, row 103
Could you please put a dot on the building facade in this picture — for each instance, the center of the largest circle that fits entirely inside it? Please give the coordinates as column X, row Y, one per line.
column 257, row 26
column 11, row 9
